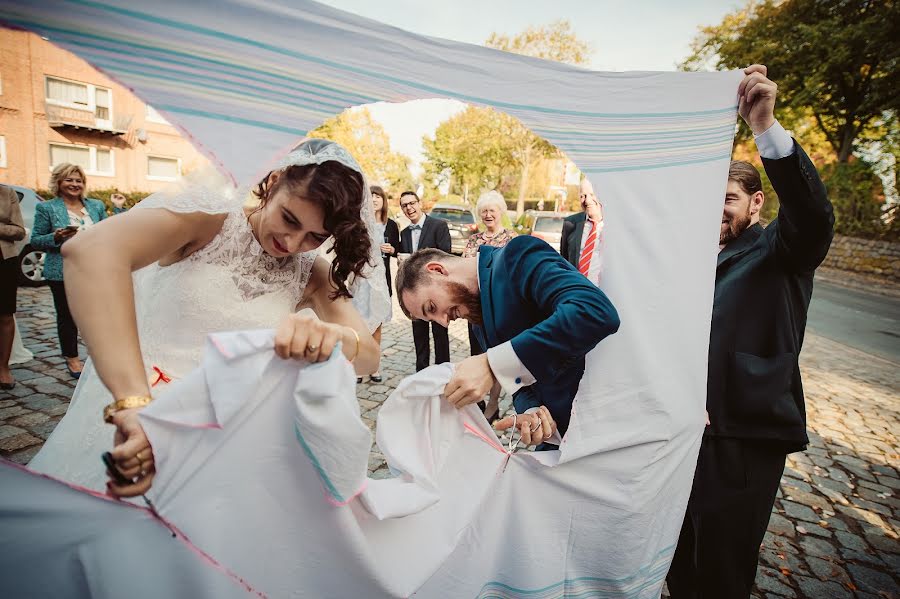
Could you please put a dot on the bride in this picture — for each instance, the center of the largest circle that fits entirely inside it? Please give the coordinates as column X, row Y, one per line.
column 202, row 263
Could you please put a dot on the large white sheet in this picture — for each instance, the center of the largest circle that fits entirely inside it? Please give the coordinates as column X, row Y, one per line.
column 246, row 79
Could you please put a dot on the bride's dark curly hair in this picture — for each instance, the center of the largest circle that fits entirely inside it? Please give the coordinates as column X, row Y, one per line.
column 339, row 190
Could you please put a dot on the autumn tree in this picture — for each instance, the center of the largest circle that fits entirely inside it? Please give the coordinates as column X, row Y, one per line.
column 836, row 61
column 369, row 144
column 555, row 41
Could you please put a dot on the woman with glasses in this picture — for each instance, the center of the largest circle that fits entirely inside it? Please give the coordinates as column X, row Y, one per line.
column 56, row 222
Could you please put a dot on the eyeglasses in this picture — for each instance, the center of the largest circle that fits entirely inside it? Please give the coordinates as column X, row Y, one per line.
column 408, row 204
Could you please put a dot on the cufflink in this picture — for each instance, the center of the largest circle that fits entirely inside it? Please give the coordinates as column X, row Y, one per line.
column 518, row 380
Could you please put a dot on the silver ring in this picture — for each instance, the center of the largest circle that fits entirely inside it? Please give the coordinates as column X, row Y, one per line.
column 538, row 427
column 311, row 348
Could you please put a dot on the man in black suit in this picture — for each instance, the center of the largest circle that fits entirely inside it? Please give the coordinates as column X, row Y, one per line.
column 756, row 415
column 425, row 232
column 580, row 244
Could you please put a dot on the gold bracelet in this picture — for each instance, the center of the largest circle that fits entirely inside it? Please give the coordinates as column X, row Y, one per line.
column 355, row 334
column 126, row 403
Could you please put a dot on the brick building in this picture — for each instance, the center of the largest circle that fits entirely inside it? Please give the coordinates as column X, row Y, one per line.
column 54, row 107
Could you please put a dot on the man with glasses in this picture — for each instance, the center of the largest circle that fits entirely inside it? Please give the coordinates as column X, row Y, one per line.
column 425, row 232
column 582, row 235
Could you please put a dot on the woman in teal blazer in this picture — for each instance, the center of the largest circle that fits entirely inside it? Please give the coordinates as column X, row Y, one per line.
column 55, row 222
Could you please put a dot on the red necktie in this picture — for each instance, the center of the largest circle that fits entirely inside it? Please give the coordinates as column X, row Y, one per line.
column 584, row 263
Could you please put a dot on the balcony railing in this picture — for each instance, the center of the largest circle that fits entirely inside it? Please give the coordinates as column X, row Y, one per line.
column 59, row 117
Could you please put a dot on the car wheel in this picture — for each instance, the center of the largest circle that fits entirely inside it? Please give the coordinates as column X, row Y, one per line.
column 31, row 267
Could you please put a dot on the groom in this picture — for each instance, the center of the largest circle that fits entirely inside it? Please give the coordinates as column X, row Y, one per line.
column 534, row 311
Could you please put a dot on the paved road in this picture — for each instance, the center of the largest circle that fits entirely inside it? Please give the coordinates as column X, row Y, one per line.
column 865, row 321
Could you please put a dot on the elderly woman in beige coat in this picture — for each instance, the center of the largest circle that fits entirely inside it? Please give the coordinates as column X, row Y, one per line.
column 12, row 229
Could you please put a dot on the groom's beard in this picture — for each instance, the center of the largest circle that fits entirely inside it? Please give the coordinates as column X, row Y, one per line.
column 734, row 227
column 460, row 295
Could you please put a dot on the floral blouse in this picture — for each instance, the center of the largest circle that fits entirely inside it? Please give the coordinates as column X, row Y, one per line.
column 481, row 238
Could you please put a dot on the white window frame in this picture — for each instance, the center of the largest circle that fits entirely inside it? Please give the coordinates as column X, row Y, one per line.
column 91, row 97
column 158, row 178
column 92, row 150
column 2, row 151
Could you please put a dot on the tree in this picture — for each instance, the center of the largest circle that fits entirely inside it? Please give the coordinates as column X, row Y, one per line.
column 479, row 148
column 555, row 41
column 369, row 144
column 836, row 61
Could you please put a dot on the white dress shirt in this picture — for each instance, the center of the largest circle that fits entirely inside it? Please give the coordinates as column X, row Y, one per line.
column 417, row 233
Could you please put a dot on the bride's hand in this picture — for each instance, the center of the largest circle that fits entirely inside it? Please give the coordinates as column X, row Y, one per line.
column 303, row 336
column 132, row 454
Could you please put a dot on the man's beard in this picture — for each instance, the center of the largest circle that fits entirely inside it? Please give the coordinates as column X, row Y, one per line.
column 734, row 227
column 460, row 295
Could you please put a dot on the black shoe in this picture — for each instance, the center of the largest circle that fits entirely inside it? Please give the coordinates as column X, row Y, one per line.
column 8, row 386
column 73, row 374
column 375, row 378
column 358, row 380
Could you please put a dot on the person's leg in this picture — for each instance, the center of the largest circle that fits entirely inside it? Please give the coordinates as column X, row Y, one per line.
column 475, row 348
column 65, row 327
column 423, row 345
column 731, row 501
column 8, row 288
column 375, row 377
column 441, row 343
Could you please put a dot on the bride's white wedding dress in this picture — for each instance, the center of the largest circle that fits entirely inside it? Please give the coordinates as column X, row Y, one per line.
column 230, row 284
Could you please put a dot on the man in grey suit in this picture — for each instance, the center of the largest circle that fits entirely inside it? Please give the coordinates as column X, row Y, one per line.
column 764, row 281
column 425, row 232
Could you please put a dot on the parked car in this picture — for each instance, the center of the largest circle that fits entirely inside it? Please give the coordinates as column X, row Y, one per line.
column 31, row 261
column 543, row 225
column 461, row 222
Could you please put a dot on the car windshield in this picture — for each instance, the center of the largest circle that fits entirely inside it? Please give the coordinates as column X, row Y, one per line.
column 548, row 224
column 456, row 217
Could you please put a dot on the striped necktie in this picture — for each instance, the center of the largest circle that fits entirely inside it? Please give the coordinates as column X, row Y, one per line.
column 584, row 263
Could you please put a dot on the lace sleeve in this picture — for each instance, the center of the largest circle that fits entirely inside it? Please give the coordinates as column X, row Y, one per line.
column 202, row 191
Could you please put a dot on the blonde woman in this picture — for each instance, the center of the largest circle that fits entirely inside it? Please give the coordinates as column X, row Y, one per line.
column 55, row 223
column 490, row 209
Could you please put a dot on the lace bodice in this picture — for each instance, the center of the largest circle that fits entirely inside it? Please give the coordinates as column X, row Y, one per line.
column 230, row 284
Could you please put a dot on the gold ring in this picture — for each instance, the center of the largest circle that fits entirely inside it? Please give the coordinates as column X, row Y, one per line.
column 311, row 348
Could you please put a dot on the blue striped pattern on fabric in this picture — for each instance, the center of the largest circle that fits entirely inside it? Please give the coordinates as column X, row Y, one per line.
column 329, row 486
column 643, row 584
column 232, row 78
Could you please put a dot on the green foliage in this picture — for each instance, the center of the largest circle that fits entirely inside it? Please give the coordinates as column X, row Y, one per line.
column 369, row 144
column 131, row 198
column 480, row 149
column 836, row 61
column 555, row 41
column 857, row 195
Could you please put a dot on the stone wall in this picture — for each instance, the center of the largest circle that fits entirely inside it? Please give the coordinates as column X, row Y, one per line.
column 869, row 256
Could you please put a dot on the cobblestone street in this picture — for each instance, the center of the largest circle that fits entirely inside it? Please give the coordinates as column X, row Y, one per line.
column 834, row 531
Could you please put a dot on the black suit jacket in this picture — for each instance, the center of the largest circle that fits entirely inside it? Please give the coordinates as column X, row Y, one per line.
column 391, row 236
column 570, row 242
column 435, row 234
column 764, row 281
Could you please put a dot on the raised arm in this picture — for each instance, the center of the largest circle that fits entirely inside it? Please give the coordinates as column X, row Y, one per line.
column 98, row 263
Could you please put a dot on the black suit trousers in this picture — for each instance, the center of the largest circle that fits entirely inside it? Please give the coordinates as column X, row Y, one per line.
column 734, row 490
column 423, row 346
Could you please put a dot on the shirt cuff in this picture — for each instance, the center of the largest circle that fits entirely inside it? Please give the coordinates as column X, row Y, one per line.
column 774, row 142
column 508, row 368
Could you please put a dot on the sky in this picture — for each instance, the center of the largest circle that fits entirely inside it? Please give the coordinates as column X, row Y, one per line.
column 626, row 35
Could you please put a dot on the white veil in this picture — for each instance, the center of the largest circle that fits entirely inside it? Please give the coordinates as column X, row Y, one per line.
column 209, row 191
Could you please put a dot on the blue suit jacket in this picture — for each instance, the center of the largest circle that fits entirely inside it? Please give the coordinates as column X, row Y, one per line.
column 52, row 215
column 552, row 314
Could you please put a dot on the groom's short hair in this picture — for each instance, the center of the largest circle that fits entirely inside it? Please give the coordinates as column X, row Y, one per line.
column 412, row 272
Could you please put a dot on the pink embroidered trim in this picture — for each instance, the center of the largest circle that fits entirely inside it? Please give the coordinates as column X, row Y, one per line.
column 180, row 535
